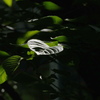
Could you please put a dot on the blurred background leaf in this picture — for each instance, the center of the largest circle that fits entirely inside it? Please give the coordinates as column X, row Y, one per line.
column 8, row 2
column 3, row 75
column 50, row 5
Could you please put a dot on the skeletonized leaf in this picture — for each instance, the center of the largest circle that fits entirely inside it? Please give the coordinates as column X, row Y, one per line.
column 41, row 48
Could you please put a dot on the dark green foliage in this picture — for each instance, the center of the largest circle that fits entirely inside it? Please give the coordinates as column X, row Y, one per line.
column 72, row 74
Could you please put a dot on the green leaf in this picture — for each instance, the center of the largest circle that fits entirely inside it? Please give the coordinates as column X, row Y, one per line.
column 61, row 39
column 51, row 44
column 50, row 5
column 31, row 54
column 47, row 21
column 56, row 19
column 8, row 2
column 3, row 54
column 11, row 64
column 24, row 46
column 3, row 75
column 26, row 36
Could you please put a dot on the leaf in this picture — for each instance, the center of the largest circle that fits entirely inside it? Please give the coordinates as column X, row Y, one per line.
column 61, row 39
column 31, row 54
column 97, row 29
column 8, row 2
column 41, row 48
column 3, row 75
column 26, row 36
column 11, row 64
column 50, row 5
column 51, row 44
column 3, row 54
column 56, row 19
column 47, row 21
column 23, row 45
